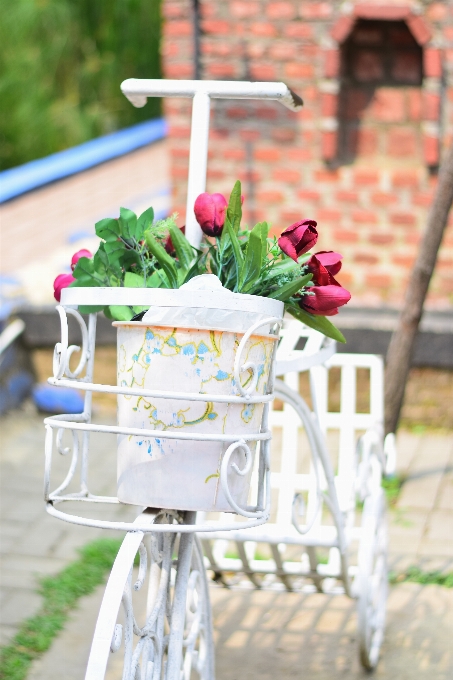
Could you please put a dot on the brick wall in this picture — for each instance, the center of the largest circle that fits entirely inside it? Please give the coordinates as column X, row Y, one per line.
column 359, row 158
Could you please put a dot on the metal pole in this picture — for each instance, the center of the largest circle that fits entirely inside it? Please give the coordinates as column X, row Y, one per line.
column 198, row 162
column 175, row 651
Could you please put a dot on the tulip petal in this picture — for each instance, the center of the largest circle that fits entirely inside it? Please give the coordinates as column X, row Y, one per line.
column 325, row 299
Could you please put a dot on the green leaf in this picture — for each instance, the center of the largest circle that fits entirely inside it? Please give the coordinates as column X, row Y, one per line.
column 133, row 280
column 155, row 280
column 86, row 274
column 90, row 309
column 319, row 323
column 128, row 224
column 238, row 254
column 166, row 262
column 144, row 222
column 182, row 246
column 234, row 209
column 121, row 312
column 114, row 250
column 108, row 229
column 291, row 288
column 281, row 268
column 254, row 255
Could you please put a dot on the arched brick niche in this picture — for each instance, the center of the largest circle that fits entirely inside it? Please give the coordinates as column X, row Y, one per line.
column 382, row 88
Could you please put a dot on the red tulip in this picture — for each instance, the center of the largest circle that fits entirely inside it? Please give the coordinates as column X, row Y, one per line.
column 324, row 265
column 76, row 257
column 210, row 212
column 298, row 238
column 325, row 299
column 62, row 281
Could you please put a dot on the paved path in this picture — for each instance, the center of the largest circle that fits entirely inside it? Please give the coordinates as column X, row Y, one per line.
column 261, row 633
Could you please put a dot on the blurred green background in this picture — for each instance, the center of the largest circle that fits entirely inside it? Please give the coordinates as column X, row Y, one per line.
column 61, row 65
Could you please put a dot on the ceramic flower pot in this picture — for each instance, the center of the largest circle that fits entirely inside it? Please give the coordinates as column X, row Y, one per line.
column 180, row 474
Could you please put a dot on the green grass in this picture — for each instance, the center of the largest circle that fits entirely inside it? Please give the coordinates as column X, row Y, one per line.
column 61, row 66
column 416, row 575
column 60, row 593
column 392, row 487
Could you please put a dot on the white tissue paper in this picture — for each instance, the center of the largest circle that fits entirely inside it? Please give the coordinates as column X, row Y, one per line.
column 204, row 303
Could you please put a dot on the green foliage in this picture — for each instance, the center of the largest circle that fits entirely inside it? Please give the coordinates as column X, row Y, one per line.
column 61, row 66
column 425, row 578
column 136, row 252
column 392, row 487
column 60, row 594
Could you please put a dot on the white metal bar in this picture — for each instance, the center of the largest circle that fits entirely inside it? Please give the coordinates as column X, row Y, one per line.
column 196, row 183
column 137, row 90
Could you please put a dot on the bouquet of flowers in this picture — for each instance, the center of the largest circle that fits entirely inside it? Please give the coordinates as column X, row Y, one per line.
column 140, row 252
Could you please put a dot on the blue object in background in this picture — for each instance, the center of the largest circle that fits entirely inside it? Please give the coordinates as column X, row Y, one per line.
column 52, row 399
column 17, row 181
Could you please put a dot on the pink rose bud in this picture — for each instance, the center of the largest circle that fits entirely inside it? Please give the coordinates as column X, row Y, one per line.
column 242, row 199
column 298, row 238
column 323, row 266
column 325, row 299
column 76, row 257
column 210, row 212
column 62, row 281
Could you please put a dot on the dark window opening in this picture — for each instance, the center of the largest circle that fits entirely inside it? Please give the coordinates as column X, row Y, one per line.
column 382, row 53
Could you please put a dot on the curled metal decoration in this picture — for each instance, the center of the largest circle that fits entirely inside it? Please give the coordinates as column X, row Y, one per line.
column 249, row 365
column 63, row 352
column 147, row 659
column 240, row 445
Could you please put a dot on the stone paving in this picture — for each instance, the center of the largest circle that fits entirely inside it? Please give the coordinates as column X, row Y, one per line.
column 263, row 633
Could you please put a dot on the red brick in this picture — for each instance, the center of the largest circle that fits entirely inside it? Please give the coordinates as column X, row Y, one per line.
column 403, row 219
column 283, row 52
column 178, row 28
column 255, row 50
column 432, row 63
column 448, row 33
column 269, row 153
column 298, row 30
column 437, row 11
column 179, row 131
column 326, row 175
column 270, row 197
column 305, row 195
column 419, row 28
column 364, row 217
column 431, row 106
column 405, row 261
column 179, row 172
column 179, row 71
column 250, row 135
column 280, row 10
column 216, row 26
column 431, row 150
column 363, row 141
column 378, row 280
column 267, row 112
column 263, row 72
column 328, row 215
column 356, row 101
column 296, row 70
column 288, row 217
column 221, row 70
column 388, row 105
column 315, row 10
column 284, row 135
column 345, row 236
column 245, row 9
column 287, row 176
column 329, row 104
column 423, row 199
column 380, row 239
column 401, row 142
column 365, row 258
column 264, row 30
column 331, row 63
column 300, row 155
column 179, row 152
column 329, row 145
column 383, row 198
column 170, row 48
column 347, row 196
column 381, row 11
column 414, row 97
column 171, row 11
column 342, row 28
column 234, row 153
column 366, row 177
column 405, row 178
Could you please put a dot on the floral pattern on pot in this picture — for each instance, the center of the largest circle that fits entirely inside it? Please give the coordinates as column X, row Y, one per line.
column 185, row 360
